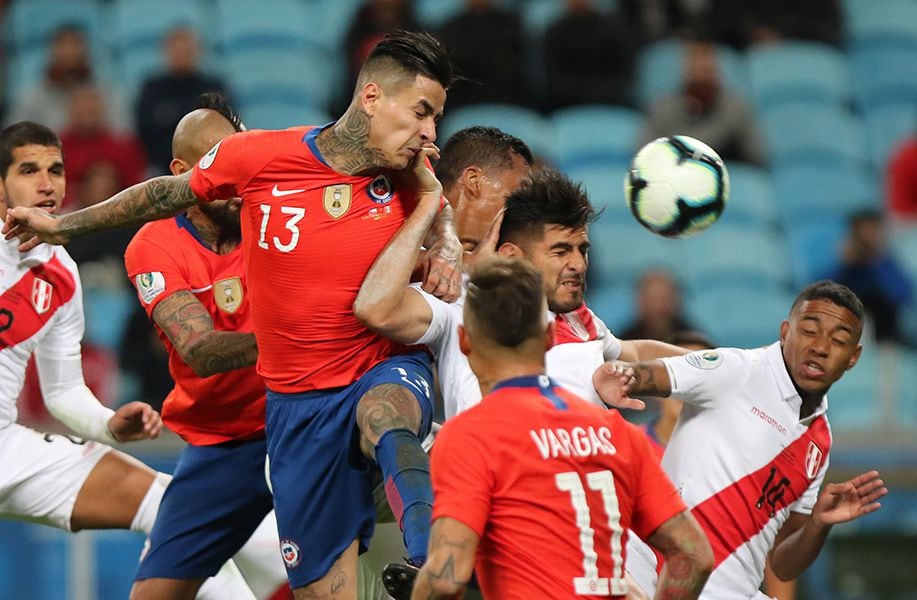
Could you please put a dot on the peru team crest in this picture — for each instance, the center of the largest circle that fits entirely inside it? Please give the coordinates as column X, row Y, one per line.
column 41, row 295
column 380, row 190
column 227, row 293
column 814, row 457
column 336, row 200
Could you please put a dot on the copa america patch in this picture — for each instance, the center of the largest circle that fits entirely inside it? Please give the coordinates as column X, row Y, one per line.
column 380, row 190
column 290, row 553
column 706, row 359
column 208, row 158
column 150, row 285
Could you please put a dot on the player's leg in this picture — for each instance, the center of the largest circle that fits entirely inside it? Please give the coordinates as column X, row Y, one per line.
column 119, row 493
column 322, row 489
column 216, row 499
column 393, row 417
column 260, row 562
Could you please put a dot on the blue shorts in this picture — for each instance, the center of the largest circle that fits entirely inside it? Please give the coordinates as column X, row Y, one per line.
column 322, row 484
column 217, row 498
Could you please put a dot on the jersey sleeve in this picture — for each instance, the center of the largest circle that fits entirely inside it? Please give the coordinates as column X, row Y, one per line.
column 63, row 342
column 442, row 325
column 611, row 345
column 655, row 500
column 462, row 482
column 228, row 167
column 155, row 272
column 700, row 378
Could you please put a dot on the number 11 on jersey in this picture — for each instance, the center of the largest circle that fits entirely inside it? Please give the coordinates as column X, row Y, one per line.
column 590, row 584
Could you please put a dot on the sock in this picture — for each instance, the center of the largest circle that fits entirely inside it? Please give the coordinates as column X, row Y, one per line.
column 406, row 473
column 146, row 513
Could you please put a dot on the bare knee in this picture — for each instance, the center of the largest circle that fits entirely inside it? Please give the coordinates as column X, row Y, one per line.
column 112, row 493
column 383, row 408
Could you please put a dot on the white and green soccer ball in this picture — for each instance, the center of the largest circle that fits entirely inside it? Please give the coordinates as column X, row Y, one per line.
column 677, row 186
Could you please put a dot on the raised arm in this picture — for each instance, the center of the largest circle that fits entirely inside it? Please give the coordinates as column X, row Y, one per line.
column 802, row 536
column 644, row 350
column 688, row 557
column 188, row 326
column 153, row 199
column 617, row 381
column 450, row 562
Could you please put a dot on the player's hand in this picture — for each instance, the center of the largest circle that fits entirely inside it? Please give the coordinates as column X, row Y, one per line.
column 135, row 421
column 487, row 248
column 442, row 271
column 32, row 226
column 612, row 381
column 420, row 177
column 842, row 502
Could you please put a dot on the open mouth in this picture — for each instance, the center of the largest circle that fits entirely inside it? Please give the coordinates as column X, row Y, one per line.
column 49, row 206
column 813, row 370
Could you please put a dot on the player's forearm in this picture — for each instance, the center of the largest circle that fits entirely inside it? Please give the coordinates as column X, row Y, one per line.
column 644, row 350
column 688, row 557
column 222, row 351
column 153, row 199
column 443, row 225
column 793, row 554
column 438, row 579
column 650, row 379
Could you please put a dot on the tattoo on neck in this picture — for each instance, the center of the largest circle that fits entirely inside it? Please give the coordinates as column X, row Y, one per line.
column 344, row 144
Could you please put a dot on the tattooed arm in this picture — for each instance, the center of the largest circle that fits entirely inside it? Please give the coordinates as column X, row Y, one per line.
column 153, row 199
column 189, row 327
column 688, row 557
column 616, row 381
column 450, row 562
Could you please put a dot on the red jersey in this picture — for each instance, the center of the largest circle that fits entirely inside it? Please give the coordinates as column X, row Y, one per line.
column 310, row 235
column 163, row 258
column 551, row 484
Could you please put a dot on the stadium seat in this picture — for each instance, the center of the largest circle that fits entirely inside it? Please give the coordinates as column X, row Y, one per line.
column 884, row 74
column 740, row 316
column 812, row 132
column 277, row 25
column 891, row 22
column 813, row 192
column 798, row 71
column 595, row 135
column 139, row 26
column 751, row 196
column 888, row 125
column 736, row 255
column 623, row 250
column 854, row 401
column 30, row 24
column 815, row 247
column 433, row 13
column 906, row 405
column 269, row 113
column 107, row 311
column 659, row 70
column 530, row 126
column 605, row 186
column 288, row 77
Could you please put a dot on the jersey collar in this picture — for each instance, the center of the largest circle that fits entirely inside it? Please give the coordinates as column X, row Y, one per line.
column 774, row 355
column 309, row 139
column 543, row 383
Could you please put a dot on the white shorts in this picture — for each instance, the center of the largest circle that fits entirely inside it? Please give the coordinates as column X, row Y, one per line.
column 41, row 474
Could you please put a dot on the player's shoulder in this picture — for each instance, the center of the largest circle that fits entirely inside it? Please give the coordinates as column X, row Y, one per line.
column 163, row 232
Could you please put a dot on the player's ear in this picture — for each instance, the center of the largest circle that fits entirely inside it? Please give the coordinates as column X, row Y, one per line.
column 464, row 343
column 510, row 250
column 369, row 97
column 856, row 356
column 178, row 166
column 784, row 330
column 471, row 179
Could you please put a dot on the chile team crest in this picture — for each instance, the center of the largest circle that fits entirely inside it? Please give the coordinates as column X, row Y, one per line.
column 41, row 295
column 380, row 190
column 814, row 457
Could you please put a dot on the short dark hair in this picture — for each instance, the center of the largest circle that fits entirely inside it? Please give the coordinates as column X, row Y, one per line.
column 833, row 292
column 486, row 147
column 417, row 53
column 217, row 102
column 505, row 301
column 24, row 133
column 547, row 197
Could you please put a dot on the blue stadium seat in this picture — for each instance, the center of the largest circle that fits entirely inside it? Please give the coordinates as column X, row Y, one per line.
column 270, row 113
column 530, row 126
column 815, row 246
column 595, row 135
column 623, row 250
column 605, row 186
column 736, row 255
column 659, row 70
column 304, row 77
column 884, row 74
column 798, row 71
column 107, row 311
column 140, row 25
column 888, row 125
column 614, row 304
column 31, row 23
column 433, row 13
column 751, row 196
column 813, row 192
column 906, row 405
column 740, row 316
column 811, row 132
column 891, row 22
column 276, row 25
column 854, row 400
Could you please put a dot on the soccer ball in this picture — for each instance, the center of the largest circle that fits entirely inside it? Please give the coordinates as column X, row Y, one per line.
column 677, row 186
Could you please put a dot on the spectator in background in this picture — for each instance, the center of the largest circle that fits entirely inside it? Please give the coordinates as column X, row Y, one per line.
column 372, row 21
column 659, row 308
column 69, row 67
column 704, row 108
column 165, row 98
column 589, row 57
column 868, row 268
column 901, row 182
column 89, row 139
column 487, row 47
column 776, row 20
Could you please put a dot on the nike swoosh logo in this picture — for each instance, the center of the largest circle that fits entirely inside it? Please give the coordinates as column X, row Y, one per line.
column 277, row 193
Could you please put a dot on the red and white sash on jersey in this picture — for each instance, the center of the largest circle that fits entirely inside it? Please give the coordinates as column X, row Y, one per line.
column 575, row 326
column 737, row 513
column 27, row 305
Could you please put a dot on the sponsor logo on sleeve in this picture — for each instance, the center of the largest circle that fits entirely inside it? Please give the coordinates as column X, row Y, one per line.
column 706, row 359
column 208, row 158
column 336, row 200
column 150, row 285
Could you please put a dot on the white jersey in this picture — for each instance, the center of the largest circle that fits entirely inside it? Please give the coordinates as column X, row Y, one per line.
column 741, row 457
column 582, row 344
column 41, row 311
